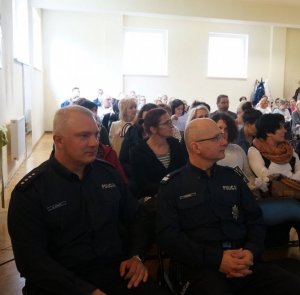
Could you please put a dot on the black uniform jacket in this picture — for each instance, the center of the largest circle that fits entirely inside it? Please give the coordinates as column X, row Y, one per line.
column 199, row 216
column 61, row 225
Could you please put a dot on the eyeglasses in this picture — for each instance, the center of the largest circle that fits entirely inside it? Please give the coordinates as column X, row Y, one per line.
column 216, row 138
column 168, row 122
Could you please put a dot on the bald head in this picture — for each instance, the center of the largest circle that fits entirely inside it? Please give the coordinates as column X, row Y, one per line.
column 200, row 129
column 204, row 143
column 64, row 116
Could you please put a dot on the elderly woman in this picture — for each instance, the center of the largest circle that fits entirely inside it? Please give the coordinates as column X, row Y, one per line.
column 271, row 154
column 156, row 156
column 234, row 154
column 263, row 105
column 118, row 129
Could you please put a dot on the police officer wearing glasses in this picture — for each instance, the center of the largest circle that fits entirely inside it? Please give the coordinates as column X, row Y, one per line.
column 210, row 224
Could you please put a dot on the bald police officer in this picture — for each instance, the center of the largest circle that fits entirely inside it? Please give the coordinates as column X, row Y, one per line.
column 209, row 222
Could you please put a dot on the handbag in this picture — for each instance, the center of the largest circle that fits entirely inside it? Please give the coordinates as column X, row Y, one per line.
column 285, row 187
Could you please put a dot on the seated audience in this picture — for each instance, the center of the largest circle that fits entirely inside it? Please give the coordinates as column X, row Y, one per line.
column 156, row 156
column 263, row 105
column 196, row 103
column 283, row 110
column 292, row 105
column 211, row 226
column 179, row 115
column 271, row 154
column 247, row 133
column 200, row 111
column 244, row 105
column 135, row 134
column 118, row 129
column 65, row 217
column 223, row 106
column 105, row 107
column 74, row 96
column 176, row 132
column 112, row 115
column 234, row 154
column 296, row 119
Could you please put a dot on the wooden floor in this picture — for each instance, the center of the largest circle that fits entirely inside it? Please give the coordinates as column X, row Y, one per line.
column 10, row 281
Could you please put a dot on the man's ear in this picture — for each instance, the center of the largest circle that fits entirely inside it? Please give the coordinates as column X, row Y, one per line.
column 58, row 140
column 195, row 147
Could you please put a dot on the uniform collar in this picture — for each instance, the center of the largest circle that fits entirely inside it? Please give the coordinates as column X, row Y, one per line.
column 201, row 172
column 62, row 170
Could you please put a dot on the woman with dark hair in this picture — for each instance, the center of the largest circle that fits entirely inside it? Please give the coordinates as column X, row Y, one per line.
column 156, row 156
column 234, row 154
column 179, row 115
column 271, row 154
column 247, row 133
column 133, row 136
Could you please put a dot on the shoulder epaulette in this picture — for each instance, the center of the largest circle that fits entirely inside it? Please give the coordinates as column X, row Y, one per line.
column 28, row 179
column 241, row 173
column 169, row 176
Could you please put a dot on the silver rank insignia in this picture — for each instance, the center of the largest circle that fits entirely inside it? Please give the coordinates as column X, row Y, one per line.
column 235, row 212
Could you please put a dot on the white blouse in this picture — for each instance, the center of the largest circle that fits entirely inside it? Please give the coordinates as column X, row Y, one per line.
column 262, row 173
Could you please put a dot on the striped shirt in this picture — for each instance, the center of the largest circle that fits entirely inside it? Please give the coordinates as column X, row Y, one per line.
column 164, row 159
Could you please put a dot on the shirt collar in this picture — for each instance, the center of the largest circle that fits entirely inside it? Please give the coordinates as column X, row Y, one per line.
column 201, row 172
column 62, row 170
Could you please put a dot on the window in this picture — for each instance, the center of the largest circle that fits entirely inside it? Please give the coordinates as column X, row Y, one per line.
column 145, row 52
column 227, row 55
column 20, row 31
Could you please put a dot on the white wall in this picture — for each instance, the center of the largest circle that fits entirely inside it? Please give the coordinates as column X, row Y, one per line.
column 11, row 91
column 80, row 49
column 188, row 48
column 292, row 70
column 85, row 49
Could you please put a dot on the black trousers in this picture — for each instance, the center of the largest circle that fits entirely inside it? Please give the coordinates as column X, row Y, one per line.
column 111, row 283
column 107, row 280
column 266, row 279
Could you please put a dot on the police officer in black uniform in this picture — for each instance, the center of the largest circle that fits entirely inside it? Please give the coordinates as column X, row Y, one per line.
column 65, row 219
column 210, row 224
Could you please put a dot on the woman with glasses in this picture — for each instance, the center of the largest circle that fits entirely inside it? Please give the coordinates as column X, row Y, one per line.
column 135, row 134
column 235, row 156
column 156, row 156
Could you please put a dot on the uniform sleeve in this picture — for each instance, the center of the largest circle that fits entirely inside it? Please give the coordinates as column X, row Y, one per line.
column 175, row 242
column 30, row 245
